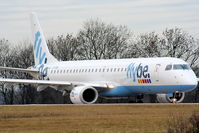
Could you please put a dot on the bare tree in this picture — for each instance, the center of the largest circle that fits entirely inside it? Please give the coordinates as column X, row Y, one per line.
column 8, row 94
column 144, row 45
column 24, row 58
column 102, row 41
column 20, row 56
column 64, row 47
column 172, row 43
column 177, row 43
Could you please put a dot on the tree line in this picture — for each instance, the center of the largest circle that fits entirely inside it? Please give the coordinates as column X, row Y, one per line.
column 95, row 40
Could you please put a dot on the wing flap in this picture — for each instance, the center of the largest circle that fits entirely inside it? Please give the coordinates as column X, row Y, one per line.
column 52, row 83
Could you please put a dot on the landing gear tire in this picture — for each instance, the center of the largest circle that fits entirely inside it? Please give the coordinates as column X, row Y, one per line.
column 140, row 101
column 139, row 98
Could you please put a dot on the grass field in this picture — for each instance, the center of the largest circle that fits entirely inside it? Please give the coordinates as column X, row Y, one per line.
column 90, row 119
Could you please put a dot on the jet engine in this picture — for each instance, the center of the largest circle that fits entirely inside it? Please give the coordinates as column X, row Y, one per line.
column 175, row 97
column 83, row 95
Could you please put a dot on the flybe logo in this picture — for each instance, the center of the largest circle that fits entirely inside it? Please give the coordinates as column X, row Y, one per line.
column 39, row 54
column 138, row 73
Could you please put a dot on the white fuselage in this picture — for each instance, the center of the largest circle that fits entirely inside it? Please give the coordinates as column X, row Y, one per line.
column 126, row 76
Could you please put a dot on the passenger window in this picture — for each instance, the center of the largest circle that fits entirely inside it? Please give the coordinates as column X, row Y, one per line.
column 168, row 67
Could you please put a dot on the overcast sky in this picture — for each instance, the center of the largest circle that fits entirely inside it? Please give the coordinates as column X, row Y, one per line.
column 67, row 16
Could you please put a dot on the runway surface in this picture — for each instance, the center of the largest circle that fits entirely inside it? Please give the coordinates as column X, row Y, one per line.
column 93, row 118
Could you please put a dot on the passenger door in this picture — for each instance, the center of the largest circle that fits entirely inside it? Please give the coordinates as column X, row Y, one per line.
column 157, row 72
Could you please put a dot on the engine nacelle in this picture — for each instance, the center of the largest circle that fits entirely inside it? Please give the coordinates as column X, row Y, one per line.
column 83, row 95
column 169, row 98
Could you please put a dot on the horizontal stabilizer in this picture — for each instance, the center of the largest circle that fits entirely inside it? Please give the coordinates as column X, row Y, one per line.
column 19, row 69
column 34, row 73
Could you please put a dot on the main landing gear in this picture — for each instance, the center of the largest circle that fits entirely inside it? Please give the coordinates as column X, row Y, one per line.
column 139, row 98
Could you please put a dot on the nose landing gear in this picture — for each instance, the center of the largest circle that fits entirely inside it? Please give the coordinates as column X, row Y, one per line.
column 177, row 96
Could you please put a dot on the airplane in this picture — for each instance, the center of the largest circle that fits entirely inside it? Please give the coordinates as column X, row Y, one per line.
column 87, row 80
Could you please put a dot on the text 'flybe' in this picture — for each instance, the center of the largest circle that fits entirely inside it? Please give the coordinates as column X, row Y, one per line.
column 138, row 73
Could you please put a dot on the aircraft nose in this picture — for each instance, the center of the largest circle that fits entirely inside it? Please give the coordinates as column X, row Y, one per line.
column 189, row 84
column 191, row 79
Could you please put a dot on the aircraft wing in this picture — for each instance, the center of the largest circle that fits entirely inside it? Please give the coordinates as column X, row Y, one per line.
column 51, row 83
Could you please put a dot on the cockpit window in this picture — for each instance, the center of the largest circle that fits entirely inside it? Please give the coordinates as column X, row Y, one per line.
column 168, row 67
column 185, row 66
column 181, row 67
